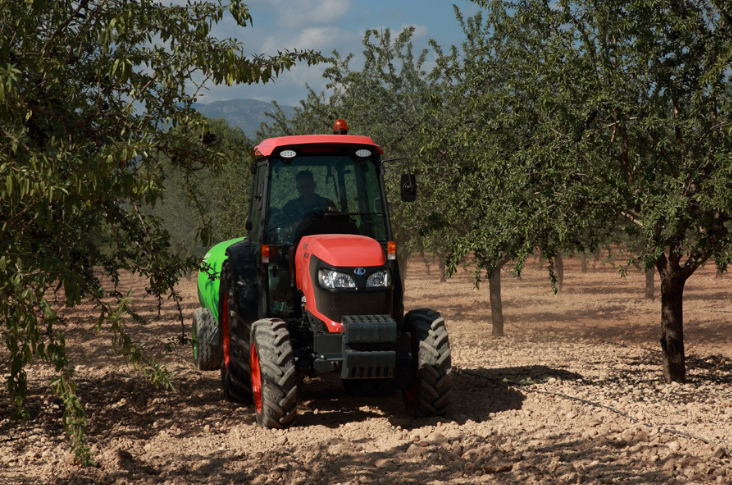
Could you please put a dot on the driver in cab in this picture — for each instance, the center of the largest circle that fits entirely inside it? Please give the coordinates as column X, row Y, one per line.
column 309, row 201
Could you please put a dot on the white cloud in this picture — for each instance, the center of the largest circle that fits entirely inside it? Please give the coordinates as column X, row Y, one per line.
column 287, row 89
column 292, row 14
column 324, row 39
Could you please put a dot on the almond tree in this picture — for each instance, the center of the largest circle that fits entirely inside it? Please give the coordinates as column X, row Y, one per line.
column 621, row 110
column 494, row 202
column 88, row 92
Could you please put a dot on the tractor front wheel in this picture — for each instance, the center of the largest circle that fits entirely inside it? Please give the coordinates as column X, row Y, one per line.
column 432, row 371
column 274, row 384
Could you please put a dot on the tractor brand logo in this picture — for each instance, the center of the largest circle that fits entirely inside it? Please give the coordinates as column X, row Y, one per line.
column 360, row 271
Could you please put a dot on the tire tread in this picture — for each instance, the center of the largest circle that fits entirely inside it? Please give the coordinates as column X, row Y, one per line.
column 434, row 363
column 277, row 368
column 208, row 349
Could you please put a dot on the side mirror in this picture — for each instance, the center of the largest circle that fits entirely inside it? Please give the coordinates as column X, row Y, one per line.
column 248, row 225
column 408, row 187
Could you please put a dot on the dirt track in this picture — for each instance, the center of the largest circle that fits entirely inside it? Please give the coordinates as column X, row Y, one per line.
column 522, row 408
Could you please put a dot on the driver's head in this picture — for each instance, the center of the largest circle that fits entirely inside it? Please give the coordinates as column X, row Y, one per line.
column 305, row 183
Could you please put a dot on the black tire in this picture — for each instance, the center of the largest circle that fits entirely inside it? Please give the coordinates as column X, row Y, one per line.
column 206, row 345
column 432, row 372
column 235, row 373
column 274, row 383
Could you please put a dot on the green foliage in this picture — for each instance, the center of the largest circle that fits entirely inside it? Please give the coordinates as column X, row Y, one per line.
column 590, row 115
column 88, row 92
column 571, row 119
column 494, row 200
column 222, row 199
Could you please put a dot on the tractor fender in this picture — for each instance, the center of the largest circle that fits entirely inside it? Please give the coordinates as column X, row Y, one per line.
column 210, row 273
column 246, row 294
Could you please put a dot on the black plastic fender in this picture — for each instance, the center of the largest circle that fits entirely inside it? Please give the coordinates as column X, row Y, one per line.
column 246, row 291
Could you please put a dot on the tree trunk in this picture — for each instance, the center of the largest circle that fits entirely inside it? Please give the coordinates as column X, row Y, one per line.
column 650, row 284
column 718, row 274
column 672, row 321
column 441, row 263
column 494, row 289
column 559, row 270
column 583, row 261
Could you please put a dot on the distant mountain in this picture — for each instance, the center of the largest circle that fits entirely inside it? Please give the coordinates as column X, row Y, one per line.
column 247, row 114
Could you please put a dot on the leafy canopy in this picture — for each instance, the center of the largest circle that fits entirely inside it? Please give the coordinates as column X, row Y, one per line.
column 223, row 196
column 584, row 115
column 581, row 115
column 88, row 93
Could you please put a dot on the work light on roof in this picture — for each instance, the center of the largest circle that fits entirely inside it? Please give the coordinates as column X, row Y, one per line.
column 363, row 153
column 288, row 154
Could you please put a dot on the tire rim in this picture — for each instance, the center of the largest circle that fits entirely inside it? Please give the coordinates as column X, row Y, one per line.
column 256, row 378
column 225, row 321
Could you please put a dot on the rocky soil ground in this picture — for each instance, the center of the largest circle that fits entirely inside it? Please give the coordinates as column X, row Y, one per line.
column 572, row 394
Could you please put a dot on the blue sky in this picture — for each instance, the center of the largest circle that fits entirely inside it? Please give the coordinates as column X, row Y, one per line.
column 325, row 25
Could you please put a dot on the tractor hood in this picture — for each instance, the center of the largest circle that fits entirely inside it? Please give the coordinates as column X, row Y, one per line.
column 342, row 250
column 353, row 258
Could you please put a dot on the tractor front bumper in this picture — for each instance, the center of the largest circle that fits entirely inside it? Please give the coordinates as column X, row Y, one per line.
column 368, row 347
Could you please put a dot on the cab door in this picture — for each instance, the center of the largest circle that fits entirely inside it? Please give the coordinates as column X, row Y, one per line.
column 255, row 226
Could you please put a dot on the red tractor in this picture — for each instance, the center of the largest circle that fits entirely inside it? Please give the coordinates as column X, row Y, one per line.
column 315, row 286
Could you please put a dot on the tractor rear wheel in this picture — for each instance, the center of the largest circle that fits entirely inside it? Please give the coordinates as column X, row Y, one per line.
column 235, row 378
column 432, row 372
column 274, row 384
column 206, row 346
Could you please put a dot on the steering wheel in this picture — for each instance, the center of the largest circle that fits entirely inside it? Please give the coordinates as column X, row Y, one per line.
column 308, row 220
column 278, row 227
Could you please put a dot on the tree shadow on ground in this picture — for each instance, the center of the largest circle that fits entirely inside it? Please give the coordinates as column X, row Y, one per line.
column 128, row 408
column 473, row 398
column 466, row 458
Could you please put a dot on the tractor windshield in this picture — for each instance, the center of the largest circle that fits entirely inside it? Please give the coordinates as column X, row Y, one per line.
column 340, row 189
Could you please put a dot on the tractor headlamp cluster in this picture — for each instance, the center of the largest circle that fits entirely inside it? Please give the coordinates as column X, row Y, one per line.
column 380, row 279
column 333, row 279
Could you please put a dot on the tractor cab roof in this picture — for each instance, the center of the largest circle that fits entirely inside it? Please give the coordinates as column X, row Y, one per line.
column 270, row 145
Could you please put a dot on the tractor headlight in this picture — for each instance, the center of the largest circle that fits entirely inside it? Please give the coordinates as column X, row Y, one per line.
column 333, row 279
column 380, row 279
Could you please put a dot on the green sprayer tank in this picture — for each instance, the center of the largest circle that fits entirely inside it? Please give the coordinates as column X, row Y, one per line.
column 208, row 281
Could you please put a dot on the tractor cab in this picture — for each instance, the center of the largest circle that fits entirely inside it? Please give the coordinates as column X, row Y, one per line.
column 310, row 185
